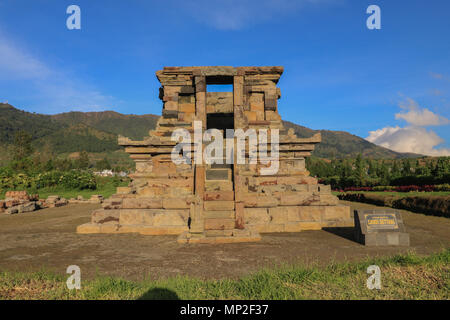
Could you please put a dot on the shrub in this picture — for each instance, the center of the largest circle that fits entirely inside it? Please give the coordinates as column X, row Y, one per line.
column 442, row 187
column 74, row 179
column 383, row 188
column 359, row 189
column 48, row 179
column 78, row 180
column 439, row 206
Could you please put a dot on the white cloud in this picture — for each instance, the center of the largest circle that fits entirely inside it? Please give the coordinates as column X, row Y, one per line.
column 414, row 137
column 19, row 65
column 420, row 117
column 236, row 14
column 54, row 89
column 409, row 139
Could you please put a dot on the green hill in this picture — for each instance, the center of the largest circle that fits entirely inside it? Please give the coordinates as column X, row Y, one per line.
column 13, row 120
column 80, row 137
column 97, row 132
column 74, row 131
column 129, row 125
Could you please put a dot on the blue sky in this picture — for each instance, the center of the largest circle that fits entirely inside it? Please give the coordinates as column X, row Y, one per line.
column 390, row 85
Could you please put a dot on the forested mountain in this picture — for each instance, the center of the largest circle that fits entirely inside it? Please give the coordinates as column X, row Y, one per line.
column 97, row 132
column 74, row 131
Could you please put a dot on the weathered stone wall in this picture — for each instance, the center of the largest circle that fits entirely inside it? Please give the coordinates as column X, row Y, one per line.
column 219, row 102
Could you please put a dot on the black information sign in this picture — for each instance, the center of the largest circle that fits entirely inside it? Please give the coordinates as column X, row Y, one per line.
column 380, row 228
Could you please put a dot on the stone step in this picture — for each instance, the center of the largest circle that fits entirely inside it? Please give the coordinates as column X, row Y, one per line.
column 219, row 233
column 223, row 214
column 219, row 224
column 218, row 185
column 218, row 195
column 218, row 205
column 218, row 174
column 220, row 236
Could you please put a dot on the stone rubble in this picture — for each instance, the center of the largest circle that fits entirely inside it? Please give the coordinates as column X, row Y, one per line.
column 18, row 202
column 21, row 201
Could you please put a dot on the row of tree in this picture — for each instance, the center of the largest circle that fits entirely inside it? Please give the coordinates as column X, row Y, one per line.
column 358, row 172
column 340, row 173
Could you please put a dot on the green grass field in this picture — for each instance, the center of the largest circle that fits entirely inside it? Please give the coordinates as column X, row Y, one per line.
column 402, row 277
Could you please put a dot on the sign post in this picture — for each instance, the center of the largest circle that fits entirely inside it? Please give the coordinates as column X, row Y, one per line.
column 380, row 228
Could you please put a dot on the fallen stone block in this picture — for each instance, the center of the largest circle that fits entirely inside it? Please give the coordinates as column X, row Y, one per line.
column 26, row 207
column 18, row 195
column 96, row 198
column 52, row 199
column 12, row 203
column 61, row 202
column 12, row 210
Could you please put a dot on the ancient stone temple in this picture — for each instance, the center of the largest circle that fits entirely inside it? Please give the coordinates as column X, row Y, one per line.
column 219, row 202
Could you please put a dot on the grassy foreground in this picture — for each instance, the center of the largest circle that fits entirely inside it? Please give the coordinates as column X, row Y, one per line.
column 402, row 277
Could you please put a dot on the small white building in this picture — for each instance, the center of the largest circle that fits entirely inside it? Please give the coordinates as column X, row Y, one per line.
column 110, row 173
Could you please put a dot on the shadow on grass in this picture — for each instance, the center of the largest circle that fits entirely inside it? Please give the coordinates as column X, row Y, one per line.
column 159, row 294
column 344, row 232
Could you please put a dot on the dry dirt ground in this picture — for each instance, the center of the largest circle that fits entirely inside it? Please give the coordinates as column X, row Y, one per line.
column 46, row 240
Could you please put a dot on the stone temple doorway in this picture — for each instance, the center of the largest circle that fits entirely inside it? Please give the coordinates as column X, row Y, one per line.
column 219, row 182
